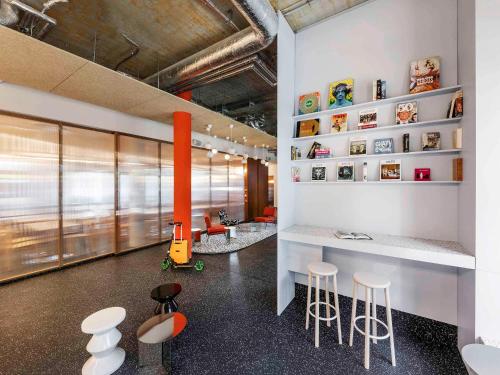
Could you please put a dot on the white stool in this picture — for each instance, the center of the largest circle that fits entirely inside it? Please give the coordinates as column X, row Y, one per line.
column 326, row 270
column 481, row 359
column 106, row 357
column 371, row 282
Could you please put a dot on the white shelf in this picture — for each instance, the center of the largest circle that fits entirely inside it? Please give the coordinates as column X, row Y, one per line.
column 382, row 156
column 447, row 253
column 445, row 121
column 378, row 103
column 378, row 182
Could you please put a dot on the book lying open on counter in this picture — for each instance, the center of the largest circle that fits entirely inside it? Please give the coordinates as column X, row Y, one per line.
column 352, row 236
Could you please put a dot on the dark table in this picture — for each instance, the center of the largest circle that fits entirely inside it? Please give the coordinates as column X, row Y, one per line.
column 164, row 295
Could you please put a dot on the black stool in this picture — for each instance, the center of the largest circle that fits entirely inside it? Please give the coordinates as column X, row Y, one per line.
column 165, row 295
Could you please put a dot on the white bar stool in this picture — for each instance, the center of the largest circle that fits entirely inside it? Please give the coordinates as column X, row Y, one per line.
column 318, row 270
column 371, row 282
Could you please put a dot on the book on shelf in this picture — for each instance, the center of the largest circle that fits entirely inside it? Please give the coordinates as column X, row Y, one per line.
column 431, row 141
column 345, row 171
column 422, row 174
column 357, row 146
column 307, row 128
column 339, row 123
column 457, row 138
column 383, row 146
column 458, row 173
column 406, row 113
column 390, row 170
column 312, row 151
column 352, row 235
column 309, row 103
column 368, row 118
column 295, row 174
column 456, row 107
column 318, row 172
column 379, row 89
column 424, row 75
column 341, row 93
column 322, row 153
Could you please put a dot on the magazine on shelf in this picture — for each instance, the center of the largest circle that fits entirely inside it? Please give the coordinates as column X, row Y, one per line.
column 340, row 93
column 339, row 123
column 406, row 113
column 424, row 75
column 309, row 103
column 352, row 236
column 307, row 128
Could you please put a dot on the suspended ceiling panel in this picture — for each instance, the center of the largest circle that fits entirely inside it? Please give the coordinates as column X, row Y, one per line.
column 41, row 66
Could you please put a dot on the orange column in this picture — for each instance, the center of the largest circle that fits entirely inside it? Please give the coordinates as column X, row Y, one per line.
column 182, row 173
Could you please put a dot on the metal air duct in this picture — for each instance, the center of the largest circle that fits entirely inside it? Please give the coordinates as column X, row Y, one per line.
column 262, row 31
column 8, row 13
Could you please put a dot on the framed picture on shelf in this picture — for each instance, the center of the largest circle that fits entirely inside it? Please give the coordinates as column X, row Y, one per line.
column 406, row 113
column 390, row 170
column 318, row 172
column 431, row 141
column 307, row 128
column 309, row 103
column 383, row 146
column 340, row 93
column 422, row 174
column 345, row 171
column 357, row 146
column 368, row 118
column 339, row 123
column 424, row 75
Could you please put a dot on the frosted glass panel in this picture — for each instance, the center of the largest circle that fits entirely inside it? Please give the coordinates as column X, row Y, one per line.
column 139, row 184
column 219, row 185
column 200, row 187
column 236, row 189
column 88, row 194
column 29, row 196
column 167, row 188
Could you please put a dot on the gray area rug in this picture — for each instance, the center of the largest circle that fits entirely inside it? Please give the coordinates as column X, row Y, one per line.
column 244, row 238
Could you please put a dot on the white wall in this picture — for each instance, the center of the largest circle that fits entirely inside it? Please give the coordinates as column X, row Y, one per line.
column 487, row 164
column 286, row 191
column 467, row 190
column 379, row 40
column 27, row 101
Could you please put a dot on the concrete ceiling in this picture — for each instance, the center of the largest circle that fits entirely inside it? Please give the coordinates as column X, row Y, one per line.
column 170, row 30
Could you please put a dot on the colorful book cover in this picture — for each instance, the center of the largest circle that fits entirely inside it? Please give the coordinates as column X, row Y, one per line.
column 424, row 75
column 341, row 93
column 339, row 123
column 406, row 113
column 368, row 118
column 308, row 128
column 309, row 103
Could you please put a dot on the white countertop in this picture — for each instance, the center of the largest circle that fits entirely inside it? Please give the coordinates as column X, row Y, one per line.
column 447, row 253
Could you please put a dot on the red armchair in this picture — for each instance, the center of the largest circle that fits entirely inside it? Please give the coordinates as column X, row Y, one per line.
column 213, row 230
column 268, row 216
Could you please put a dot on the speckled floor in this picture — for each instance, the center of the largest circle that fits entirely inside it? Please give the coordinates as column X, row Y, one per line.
column 232, row 329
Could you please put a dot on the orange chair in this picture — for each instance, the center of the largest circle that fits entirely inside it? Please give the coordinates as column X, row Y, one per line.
column 213, row 230
column 268, row 216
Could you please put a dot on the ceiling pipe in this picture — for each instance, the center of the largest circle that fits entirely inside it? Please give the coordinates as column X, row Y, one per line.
column 222, row 15
column 133, row 51
column 262, row 31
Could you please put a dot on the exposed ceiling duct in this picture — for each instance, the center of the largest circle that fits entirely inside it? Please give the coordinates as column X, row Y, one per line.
column 9, row 15
column 262, row 31
column 134, row 50
column 252, row 63
column 32, row 22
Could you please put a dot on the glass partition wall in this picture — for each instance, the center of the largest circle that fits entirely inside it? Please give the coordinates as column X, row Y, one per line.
column 69, row 193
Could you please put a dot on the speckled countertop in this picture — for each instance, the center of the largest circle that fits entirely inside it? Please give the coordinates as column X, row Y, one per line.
column 427, row 250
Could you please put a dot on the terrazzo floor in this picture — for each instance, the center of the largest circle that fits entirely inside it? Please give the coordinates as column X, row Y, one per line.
column 232, row 329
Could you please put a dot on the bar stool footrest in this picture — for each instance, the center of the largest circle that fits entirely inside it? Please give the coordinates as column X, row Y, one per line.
column 372, row 336
column 321, row 318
